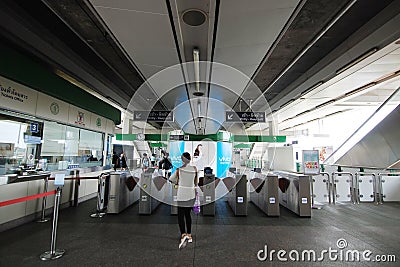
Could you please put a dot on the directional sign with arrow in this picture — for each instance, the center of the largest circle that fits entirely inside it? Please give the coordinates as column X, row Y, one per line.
column 232, row 116
column 153, row 116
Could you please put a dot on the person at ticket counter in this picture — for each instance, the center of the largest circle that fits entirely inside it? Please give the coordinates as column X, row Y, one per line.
column 115, row 160
column 186, row 179
column 121, row 162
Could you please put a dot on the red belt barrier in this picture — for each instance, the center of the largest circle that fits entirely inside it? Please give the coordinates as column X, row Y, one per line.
column 22, row 199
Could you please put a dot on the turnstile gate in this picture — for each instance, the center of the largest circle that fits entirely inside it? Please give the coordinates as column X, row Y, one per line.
column 208, row 207
column 237, row 196
column 294, row 193
column 147, row 203
column 120, row 197
column 264, row 193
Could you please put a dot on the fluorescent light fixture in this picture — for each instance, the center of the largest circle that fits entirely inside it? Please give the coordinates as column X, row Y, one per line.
column 325, row 104
column 199, row 109
column 302, row 113
column 196, row 63
column 362, row 88
column 357, row 60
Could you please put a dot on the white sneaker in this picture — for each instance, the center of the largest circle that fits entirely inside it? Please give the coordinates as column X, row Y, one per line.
column 184, row 241
column 190, row 239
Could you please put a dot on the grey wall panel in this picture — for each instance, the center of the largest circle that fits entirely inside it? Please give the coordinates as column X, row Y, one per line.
column 379, row 148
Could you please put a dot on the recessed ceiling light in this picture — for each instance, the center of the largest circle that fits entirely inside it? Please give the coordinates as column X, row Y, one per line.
column 194, row 17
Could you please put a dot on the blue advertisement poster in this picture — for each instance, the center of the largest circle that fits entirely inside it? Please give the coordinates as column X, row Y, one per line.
column 224, row 158
column 175, row 151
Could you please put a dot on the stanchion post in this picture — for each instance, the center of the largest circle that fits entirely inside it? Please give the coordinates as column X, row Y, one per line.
column 99, row 213
column 42, row 217
column 77, row 183
column 54, row 253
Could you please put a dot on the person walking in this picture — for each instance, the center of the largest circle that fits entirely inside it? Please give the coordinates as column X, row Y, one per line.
column 153, row 160
column 165, row 165
column 145, row 161
column 186, row 179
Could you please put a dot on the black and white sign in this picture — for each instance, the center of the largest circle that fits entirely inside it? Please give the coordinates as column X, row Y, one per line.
column 34, row 127
column 153, row 116
column 232, row 116
column 176, row 137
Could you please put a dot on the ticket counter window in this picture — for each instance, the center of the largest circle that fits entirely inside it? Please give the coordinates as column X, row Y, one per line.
column 65, row 146
column 20, row 142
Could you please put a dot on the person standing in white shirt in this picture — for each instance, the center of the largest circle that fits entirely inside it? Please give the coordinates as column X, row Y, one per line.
column 186, row 179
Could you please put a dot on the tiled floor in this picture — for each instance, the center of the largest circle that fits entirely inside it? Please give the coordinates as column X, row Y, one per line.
column 129, row 239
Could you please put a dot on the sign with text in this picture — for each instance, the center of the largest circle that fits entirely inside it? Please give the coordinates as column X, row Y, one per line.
column 15, row 96
column 176, row 137
column 153, row 116
column 311, row 162
column 232, row 116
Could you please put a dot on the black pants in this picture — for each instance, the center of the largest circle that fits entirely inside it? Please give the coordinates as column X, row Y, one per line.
column 184, row 209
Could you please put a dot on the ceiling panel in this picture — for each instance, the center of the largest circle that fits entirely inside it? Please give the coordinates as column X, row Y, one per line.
column 144, row 6
column 144, row 31
column 258, row 23
column 149, row 70
column 237, row 56
column 245, row 33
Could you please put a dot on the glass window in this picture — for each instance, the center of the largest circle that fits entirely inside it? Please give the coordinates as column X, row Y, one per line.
column 20, row 142
column 64, row 146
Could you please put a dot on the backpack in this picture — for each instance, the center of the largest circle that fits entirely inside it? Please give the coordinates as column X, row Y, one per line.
column 167, row 164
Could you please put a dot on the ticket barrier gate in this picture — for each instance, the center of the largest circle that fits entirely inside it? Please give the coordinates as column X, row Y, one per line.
column 120, row 196
column 294, row 193
column 208, row 188
column 237, row 196
column 152, row 190
column 264, row 193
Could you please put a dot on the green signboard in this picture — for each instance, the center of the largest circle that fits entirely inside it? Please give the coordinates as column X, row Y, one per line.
column 221, row 136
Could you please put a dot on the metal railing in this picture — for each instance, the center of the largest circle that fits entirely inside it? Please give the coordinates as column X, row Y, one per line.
column 353, row 197
column 380, row 181
column 328, row 182
column 374, row 185
column 356, row 190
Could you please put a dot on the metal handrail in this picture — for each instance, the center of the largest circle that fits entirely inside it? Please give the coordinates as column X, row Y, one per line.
column 352, row 189
column 329, row 185
column 379, row 184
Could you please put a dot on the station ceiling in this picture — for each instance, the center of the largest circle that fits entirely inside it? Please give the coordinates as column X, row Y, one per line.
column 299, row 60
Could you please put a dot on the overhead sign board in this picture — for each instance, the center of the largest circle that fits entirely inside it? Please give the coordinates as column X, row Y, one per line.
column 153, row 116
column 34, row 127
column 232, row 116
column 176, row 137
